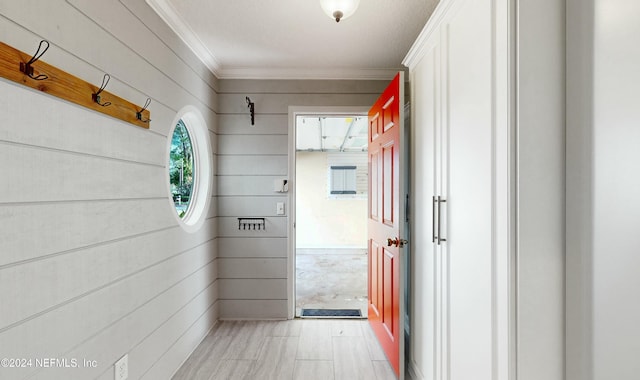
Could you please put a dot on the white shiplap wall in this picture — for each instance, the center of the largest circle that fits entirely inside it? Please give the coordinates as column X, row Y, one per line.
column 93, row 264
column 253, row 264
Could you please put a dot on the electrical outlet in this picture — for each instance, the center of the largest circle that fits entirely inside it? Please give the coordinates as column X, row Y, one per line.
column 280, row 208
column 122, row 368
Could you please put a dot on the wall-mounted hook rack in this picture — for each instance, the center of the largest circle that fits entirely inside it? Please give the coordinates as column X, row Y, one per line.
column 251, row 224
column 65, row 86
column 252, row 110
column 139, row 113
column 28, row 69
column 96, row 96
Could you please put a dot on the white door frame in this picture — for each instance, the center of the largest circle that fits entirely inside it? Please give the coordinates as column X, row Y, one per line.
column 295, row 111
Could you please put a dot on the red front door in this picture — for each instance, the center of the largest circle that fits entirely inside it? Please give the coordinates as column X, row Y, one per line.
column 385, row 240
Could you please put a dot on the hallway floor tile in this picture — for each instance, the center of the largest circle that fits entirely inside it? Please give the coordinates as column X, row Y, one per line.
column 288, row 350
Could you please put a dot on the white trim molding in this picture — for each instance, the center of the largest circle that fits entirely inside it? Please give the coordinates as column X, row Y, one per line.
column 306, row 73
column 196, row 213
column 170, row 16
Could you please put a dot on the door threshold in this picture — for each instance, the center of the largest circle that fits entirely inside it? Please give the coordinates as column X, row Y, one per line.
column 331, row 313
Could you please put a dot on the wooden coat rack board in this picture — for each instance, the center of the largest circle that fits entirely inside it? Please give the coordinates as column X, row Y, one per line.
column 68, row 87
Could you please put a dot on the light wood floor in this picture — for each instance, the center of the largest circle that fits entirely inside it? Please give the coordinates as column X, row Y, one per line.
column 304, row 349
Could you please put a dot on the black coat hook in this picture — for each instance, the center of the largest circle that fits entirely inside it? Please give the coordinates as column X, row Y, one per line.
column 139, row 113
column 96, row 96
column 28, row 69
column 252, row 109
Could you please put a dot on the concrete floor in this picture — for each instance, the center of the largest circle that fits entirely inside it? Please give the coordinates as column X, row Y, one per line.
column 331, row 279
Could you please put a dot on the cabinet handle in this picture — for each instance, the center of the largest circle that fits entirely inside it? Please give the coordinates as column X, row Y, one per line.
column 406, row 208
column 433, row 220
column 440, row 201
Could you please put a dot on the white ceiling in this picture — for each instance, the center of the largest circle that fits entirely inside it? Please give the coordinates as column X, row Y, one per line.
column 295, row 39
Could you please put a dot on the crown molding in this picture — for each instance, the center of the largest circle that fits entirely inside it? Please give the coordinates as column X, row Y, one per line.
column 170, row 16
column 416, row 52
column 307, row 73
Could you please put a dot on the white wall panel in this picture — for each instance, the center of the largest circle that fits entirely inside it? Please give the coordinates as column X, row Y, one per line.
column 74, row 128
column 47, row 175
column 170, row 39
column 251, row 206
column 213, row 207
column 104, row 308
column 135, row 328
column 255, row 247
column 252, row 165
column 92, row 258
column 247, row 185
column 253, row 144
column 63, row 278
column 252, row 289
column 253, row 309
column 240, row 124
column 252, row 268
column 183, row 346
column 119, row 21
column 91, row 222
column 162, row 118
column 603, row 210
column 152, row 359
column 540, row 199
column 214, row 140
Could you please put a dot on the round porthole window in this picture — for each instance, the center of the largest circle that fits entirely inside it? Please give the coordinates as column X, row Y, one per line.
column 189, row 174
column 181, row 167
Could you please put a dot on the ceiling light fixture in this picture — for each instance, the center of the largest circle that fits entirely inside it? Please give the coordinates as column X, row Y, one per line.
column 339, row 9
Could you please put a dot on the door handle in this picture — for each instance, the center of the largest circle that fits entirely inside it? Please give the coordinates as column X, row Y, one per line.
column 433, row 220
column 396, row 242
column 440, row 201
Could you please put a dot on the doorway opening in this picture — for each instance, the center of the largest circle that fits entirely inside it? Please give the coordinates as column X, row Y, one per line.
column 330, row 206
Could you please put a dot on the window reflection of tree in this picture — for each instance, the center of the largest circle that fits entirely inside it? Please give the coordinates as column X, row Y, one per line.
column 181, row 168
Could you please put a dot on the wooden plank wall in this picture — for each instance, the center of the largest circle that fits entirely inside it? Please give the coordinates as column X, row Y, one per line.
column 253, row 264
column 93, row 264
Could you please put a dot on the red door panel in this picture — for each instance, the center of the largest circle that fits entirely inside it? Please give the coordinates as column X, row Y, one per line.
column 374, row 297
column 383, row 224
column 387, row 183
column 387, row 315
column 374, row 175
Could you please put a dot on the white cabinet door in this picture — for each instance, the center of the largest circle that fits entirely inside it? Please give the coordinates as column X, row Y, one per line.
column 452, row 80
column 467, row 185
column 426, row 336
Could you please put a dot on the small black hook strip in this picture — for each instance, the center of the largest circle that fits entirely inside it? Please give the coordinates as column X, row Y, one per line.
column 252, row 109
column 251, row 224
column 96, row 96
column 28, row 69
column 139, row 113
